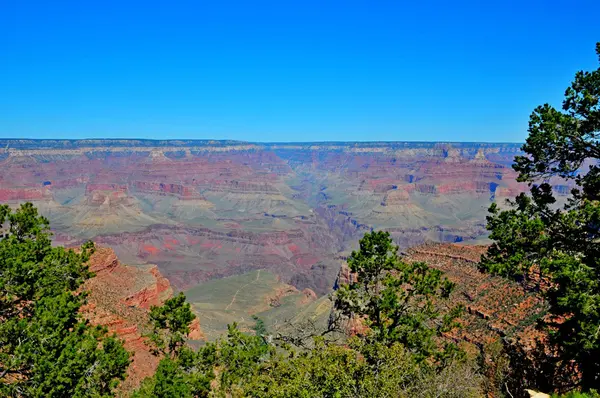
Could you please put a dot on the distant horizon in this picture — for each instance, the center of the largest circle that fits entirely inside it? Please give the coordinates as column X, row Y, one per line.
column 207, row 140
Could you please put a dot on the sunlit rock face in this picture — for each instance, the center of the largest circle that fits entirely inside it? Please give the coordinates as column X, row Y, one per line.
column 487, row 316
column 204, row 210
column 119, row 298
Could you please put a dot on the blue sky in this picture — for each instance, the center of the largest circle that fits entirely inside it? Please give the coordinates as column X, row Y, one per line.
column 288, row 70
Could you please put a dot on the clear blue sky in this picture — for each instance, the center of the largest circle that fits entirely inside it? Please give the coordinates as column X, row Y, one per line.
column 288, row 70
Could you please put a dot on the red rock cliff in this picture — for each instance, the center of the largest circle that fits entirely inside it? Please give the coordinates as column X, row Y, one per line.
column 119, row 298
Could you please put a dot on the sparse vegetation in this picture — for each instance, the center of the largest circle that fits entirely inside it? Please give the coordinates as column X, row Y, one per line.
column 381, row 362
column 396, row 300
column 259, row 327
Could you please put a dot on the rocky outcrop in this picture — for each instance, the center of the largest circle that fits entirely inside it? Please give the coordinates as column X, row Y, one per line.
column 396, row 197
column 154, row 294
column 241, row 186
column 494, row 306
column 308, row 296
column 67, row 183
column 23, row 194
column 119, row 298
column 90, row 188
column 345, row 276
column 196, row 332
column 181, row 191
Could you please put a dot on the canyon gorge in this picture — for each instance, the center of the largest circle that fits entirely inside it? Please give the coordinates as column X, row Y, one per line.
column 246, row 228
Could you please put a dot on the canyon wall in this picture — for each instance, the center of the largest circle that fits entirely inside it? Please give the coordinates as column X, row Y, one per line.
column 205, row 210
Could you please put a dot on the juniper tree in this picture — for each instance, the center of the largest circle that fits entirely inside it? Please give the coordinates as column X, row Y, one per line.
column 398, row 301
column 46, row 348
column 538, row 240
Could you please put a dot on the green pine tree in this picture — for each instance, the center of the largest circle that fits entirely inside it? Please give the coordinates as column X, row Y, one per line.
column 46, row 348
column 556, row 249
column 398, row 301
column 181, row 372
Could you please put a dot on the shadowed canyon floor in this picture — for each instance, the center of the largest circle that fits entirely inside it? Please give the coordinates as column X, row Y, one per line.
column 239, row 226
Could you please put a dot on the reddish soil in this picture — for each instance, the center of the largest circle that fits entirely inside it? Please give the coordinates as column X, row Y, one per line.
column 119, row 298
column 494, row 306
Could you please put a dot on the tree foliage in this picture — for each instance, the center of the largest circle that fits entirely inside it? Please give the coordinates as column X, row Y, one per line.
column 171, row 324
column 180, row 373
column 388, row 362
column 220, row 368
column 46, row 348
column 552, row 247
column 259, row 327
column 398, row 301
column 242, row 365
column 331, row 370
column 180, row 376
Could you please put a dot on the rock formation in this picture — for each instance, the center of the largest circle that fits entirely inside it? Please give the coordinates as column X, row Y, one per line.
column 506, row 308
column 204, row 210
column 119, row 298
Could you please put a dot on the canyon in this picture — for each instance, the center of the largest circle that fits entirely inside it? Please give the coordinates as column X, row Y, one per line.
column 206, row 211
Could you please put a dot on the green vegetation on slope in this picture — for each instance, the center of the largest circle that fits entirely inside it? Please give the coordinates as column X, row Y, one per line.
column 396, row 355
column 46, row 348
column 554, row 249
column 259, row 293
column 396, row 299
